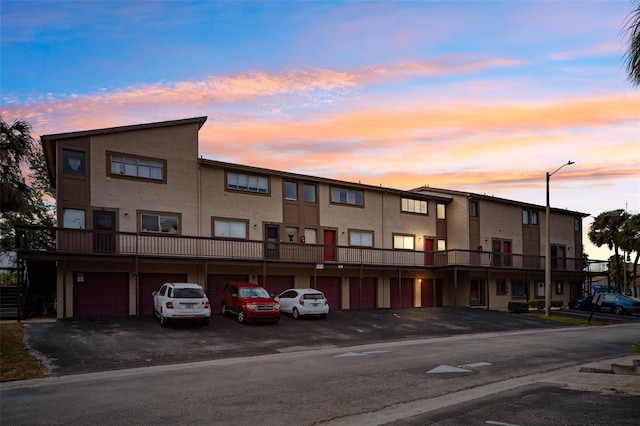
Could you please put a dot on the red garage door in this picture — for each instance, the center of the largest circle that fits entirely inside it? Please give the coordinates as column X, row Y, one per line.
column 100, row 294
column 401, row 294
column 330, row 286
column 150, row 282
column 276, row 284
column 427, row 293
column 363, row 295
column 215, row 285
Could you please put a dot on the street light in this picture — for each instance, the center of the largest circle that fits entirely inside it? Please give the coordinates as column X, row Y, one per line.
column 547, row 257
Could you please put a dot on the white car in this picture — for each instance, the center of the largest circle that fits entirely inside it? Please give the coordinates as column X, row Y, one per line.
column 181, row 301
column 303, row 301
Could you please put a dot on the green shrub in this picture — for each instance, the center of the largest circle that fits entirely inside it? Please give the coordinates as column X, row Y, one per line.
column 537, row 304
column 518, row 307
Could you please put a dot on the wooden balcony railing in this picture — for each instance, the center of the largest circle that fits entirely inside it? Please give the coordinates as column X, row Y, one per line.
column 31, row 239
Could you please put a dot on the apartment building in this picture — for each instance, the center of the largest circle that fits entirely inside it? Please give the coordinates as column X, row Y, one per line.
column 137, row 207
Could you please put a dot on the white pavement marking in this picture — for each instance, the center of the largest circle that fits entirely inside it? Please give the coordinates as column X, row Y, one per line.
column 447, row 369
column 476, row 365
column 491, row 422
column 349, row 354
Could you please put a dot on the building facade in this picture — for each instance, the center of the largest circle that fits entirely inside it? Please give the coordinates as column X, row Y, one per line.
column 137, row 207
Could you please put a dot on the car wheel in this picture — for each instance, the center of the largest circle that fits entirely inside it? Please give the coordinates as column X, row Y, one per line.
column 295, row 313
column 224, row 310
column 618, row 310
column 163, row 321
column 241, row 318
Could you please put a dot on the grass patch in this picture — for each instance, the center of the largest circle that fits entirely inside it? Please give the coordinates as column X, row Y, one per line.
column 566, row 319
column 636, row 346
column 15, row 361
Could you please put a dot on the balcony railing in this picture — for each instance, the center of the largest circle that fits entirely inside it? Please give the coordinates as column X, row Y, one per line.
column 88, row 242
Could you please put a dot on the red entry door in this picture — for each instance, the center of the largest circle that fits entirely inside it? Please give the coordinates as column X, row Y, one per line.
column 428, row 251
column 329, row 245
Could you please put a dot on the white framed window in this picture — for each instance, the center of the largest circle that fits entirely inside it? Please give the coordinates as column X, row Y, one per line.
column 161, row 223
column 223, row 228
column 404, row 242
column 442, row 245
column 310, row 193
column 290, row 191
column 361, row 238
column 310, row 236
column 130, row 166
column 247, row 183
column 411, row 205
column 352, row 197
column 73, row 219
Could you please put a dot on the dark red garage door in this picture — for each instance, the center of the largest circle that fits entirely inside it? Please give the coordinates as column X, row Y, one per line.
column 150, row 282
column 100, row 294
column 427, row 293
column 401, row 295
column 363, row 295
column 330, row 286
column 215, row 285
column 276, row 284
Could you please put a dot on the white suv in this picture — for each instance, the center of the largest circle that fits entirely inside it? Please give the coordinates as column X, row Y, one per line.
column 181, row 301
column 303, row 301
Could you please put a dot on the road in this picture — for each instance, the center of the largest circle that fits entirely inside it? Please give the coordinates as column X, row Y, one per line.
column 368, row 384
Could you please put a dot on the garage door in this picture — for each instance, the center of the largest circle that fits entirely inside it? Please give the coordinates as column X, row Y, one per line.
column 150, row 282
column 276, row 284
column 215, row 285
column 427, row 293
column 363, row 295
column 330, row 286
column 100, row 294
column 401, row 295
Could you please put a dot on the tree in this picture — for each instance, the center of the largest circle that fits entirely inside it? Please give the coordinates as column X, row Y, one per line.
column 24, row 185
column 630, row 242
column 632, row 56
column 606, row 230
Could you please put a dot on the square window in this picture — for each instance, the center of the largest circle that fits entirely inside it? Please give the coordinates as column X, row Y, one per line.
column 309, row 193
column 290, row 191
column 74, row 162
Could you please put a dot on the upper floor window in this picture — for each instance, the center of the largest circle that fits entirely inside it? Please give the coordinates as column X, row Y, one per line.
column 404, row 242
column 441, row 211
column 310, row 193
column 224, row 228
column 529, row 217
column 577, row 225
column 290, row 191
column 74, row 162
column 347, row 196
column 161, row 223
column 248, row 183
column 473, row 208
column 413, row 206
column 361, row 238
column 137, row 167
column 74, row 218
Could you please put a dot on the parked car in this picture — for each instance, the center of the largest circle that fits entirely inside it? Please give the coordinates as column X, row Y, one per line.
column 620, row 304
column 249, row 302
column 181, row 302
column 584, row 303
column 303, row 301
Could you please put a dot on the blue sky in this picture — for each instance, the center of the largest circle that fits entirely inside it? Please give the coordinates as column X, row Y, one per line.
column 481, row 96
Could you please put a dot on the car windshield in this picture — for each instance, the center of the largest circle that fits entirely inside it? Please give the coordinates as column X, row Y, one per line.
column 187, row 293
column 254, row 292
column 314, row 296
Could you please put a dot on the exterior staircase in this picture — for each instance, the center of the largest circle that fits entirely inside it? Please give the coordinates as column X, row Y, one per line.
column 9, row 297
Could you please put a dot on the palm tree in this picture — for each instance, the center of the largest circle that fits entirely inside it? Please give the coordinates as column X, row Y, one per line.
column 632, row 57
column 630, row 242
column 606, row 230
column 16, row 143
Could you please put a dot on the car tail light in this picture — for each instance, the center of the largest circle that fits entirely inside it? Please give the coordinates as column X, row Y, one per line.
column 301, row 302
column 169, row 305
column 206, row 304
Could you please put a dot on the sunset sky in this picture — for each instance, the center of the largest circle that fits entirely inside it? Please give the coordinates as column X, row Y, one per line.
column 479, row 96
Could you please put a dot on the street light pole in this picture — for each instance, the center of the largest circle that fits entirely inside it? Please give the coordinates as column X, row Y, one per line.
column 547, row 257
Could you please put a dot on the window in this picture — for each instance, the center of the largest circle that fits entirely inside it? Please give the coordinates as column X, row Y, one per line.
column 347, row 196
column 403, row 242
column 559, row 287
column 577, row 225
column 290, row 191
column 441, row 212
column 529, row 217
column 309, row 193
column 361, row 238
column 519, row 289
column 501, row 287
column 413, row 206
column 292, row 234
column 223, row 228
column 74, row 219
column 137, row 167
column 442, row 245
column 74, row 162
column 247, row 183
column 310, row 236
column 159, row 223
column 473, row 208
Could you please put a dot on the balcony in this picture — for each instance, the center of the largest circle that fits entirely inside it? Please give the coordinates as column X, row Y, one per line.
column 61, row 241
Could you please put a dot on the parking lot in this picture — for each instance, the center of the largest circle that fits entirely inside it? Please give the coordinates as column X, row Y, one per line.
column 83, row 345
